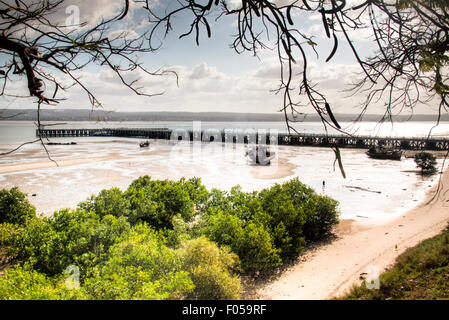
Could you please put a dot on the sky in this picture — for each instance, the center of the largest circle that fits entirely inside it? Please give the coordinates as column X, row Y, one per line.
column 212, row 76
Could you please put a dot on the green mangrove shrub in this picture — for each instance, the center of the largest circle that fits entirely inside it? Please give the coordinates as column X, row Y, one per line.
column 159, row 239
column 14, row 206
column 70, row 237
column 140, row 266
column 24, row 283
column 212, row 270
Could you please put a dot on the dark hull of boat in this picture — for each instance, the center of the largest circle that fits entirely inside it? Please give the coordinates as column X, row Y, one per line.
column 390, row 156
column 262, row 157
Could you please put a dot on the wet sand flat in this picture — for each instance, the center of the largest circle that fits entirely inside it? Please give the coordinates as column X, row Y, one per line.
column 90, row 166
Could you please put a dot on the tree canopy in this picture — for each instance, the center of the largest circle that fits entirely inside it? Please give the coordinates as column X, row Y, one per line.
column 162, row 249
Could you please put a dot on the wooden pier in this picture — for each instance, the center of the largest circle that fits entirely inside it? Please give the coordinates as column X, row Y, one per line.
column 253, row 136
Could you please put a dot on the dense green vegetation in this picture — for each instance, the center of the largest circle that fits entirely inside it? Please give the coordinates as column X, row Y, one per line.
column 159, row 239
column 14, row 207
column 422, row 272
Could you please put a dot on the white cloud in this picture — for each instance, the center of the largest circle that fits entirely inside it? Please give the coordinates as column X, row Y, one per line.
column 202, row 71
column 203, row 87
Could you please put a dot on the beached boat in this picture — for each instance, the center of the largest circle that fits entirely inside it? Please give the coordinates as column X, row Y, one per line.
column 260, row 155
column 144, row 144
column 384, row 153
column 60, row 143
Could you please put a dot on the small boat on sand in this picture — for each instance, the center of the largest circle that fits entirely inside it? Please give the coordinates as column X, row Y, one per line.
column 144, row 144
column 384, row 153
column 260, row 155
column 60, row 143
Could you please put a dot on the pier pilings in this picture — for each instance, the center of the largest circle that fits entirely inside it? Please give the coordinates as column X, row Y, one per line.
column 251, row 136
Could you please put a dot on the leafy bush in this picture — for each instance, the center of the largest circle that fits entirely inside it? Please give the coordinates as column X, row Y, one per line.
column 295, row 215
column 426, row 161
column 31, row 242
column 7, row 231
column 231, row 219
column 24, row 283
column 140, row 266
column 256, row 249
column 321, row 218
column 136, row 283
column 284, row 216
column 110, row 201
column 155, row 202
column 218, row 201
column 244, row 205
column 251, row 242
column 14, row 206
column 158, row 201
column 178, row 234
column 265, row 228
column 223, row 228
column 68, row 238
column 196, row 190
column 161, row 239
column 211, row 270
column 144, row 247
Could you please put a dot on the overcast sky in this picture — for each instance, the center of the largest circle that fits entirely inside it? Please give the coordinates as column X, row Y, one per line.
column 212, row 77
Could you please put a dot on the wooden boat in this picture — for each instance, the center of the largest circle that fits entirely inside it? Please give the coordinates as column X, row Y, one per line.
column 60, row 143
column 384, row 153
column 144, row 144
column 260, row 155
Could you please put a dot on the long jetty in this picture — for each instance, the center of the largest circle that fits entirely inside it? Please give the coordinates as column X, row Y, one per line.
column 256, row 136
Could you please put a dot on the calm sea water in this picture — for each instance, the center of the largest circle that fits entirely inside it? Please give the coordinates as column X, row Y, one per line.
column 21, row 131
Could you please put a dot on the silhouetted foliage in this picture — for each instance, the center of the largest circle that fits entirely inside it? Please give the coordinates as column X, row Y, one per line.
column 37, row 43
column 409, row 66
column 426, row 162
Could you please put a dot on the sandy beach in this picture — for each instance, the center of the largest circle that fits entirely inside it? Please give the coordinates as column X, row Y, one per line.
column 330, row 270
column 46, row 164
column 92, row 165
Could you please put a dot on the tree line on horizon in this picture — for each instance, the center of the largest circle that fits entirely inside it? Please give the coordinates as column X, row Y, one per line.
column 103, row 115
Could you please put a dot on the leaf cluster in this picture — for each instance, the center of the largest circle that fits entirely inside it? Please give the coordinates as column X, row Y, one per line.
column 161, row 239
